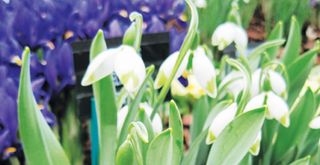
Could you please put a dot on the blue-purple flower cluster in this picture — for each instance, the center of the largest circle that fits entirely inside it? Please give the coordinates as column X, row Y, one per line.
column 48, row 27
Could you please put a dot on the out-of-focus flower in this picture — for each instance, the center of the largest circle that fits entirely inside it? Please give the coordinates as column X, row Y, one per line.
column 191, row 87
column 313, row 80
column 315, row 123
column 222, row 119
column 156, row 122
column 126, row 63
column 200, row 3
column 277, row 82
column 227, row 33
column 233, row 83
column 277, row 108
column 202, row 69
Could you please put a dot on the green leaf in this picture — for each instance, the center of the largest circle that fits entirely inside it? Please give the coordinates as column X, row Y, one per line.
column 106, row 108
column 191, row 157
column 39, row 143
column 276, row 33
column 199, row 114
column 134, row 105
column 176, row 124
column 235, row 140
column 301, row 116
column 133, row 34
column 303, row 161
column 163, row 150
column 255, row 56
column 125, row 154
column 298, row 73
column 221, row 105
column 292, row 49
column 144, row 118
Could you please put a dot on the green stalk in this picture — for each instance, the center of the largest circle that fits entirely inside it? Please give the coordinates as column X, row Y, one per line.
column 133, row 34
column 186, row 45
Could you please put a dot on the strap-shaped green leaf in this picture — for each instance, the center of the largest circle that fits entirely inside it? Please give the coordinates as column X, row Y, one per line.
column 163, row 150
column 292, row 49
column 235, row 140
column 191, row 157
column 276, row 33
column 301, row 116
column 298, row 73
column 200, row 112
column 39, row 142
column 106, row 108
column 176, row 124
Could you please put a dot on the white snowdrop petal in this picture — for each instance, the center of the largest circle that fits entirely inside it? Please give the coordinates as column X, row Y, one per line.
column 255, row 148
column 167, row 67
column 223, row 35
column 277, row 107
column 156, row 122
column 233, row 83
column 315, row 123
column 130, row 68
column 122, row 113
column 278, row 83
column 256, row 81
column 220, row 122
column 100, row 67
column 255, row 102
column 204, row 72
column 241, row 38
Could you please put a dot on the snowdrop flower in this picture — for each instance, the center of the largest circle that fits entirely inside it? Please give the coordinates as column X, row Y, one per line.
column 156, row 122
column 233, row 83
column 277, row 82
column 227, row 33
column 277, row 108
column 200, row 3
column 202, row 69
column 315, row 123
column 124, row 61
column 220, row 122
column 193, row 88
column 314, row 79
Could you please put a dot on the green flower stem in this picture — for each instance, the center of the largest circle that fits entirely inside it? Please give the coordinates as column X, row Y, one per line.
column 247, row 77
column 186, row 45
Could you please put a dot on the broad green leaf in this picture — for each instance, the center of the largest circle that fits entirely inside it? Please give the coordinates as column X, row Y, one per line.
column 255, row 56
column 301, row 116
column 134, row 105
column 176, row 124
column 292, row 49
column 298, row 73
column 236, row 139
column 125, row 154
column 199, row 114
column 276, row 33
column 106, row 108
column 303, row 161
column 163, row 150
column 247, row 160
column 191, row 156
column 39, row 143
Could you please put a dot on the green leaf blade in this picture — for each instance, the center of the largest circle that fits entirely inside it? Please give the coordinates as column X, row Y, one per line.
column 176, row 124
column 39, row 142
column 235, row 140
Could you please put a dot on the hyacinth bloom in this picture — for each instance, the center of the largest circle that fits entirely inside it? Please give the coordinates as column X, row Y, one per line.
column 124, row 61
column 227, row 33
column 202, row 69
column 156, row 122
column 277, row 108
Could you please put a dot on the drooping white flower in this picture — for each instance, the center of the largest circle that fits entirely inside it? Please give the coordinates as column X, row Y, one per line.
column 277, row 108
column 233, row 83
column 156, row 122
column 313, row 80
column 315, row 123
column 193, row 89
column 202, row 69
column 227, row 33
column 220, row 122
column 277, row 82
column 124, row 61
